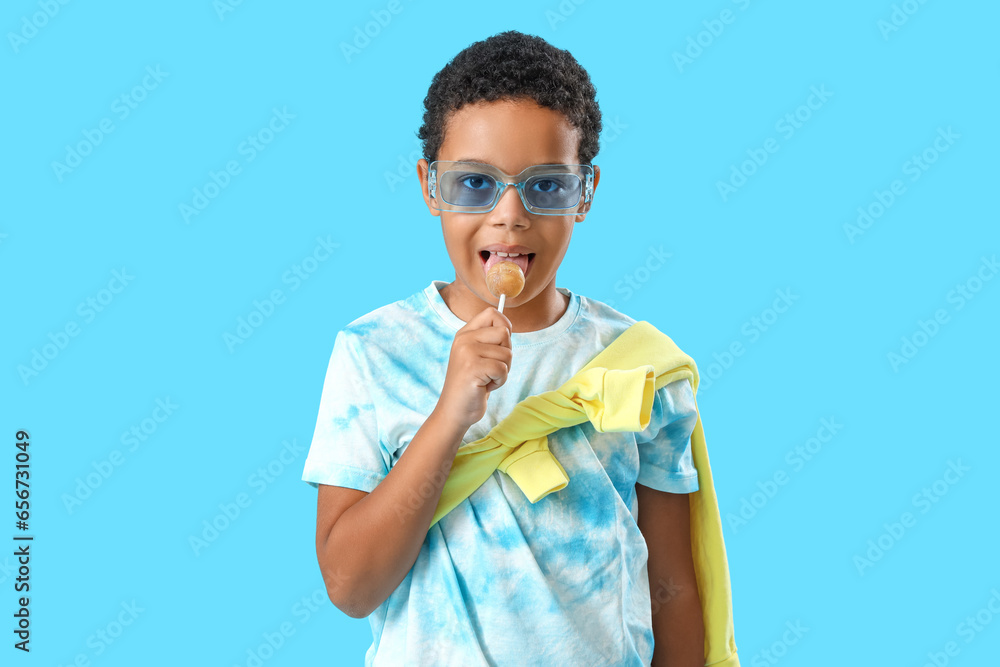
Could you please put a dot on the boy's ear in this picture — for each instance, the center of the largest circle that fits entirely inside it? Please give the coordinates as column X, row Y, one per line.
column 597, row 178
column 422, row 170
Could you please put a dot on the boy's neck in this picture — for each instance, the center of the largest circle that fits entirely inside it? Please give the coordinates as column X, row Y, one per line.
column 540, row 313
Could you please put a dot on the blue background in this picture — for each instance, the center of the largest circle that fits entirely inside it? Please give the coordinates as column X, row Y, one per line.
column 674, row 129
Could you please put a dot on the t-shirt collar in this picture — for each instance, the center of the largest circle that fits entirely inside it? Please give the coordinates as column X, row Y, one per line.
column 454, row 323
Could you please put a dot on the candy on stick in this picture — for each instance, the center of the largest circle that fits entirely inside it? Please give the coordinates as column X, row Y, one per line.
column 505, row 279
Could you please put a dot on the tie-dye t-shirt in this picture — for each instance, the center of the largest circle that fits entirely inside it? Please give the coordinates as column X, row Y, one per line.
column 499, row 580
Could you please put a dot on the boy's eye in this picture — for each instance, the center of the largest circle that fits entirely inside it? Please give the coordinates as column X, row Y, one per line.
column 476, row 182
column 546, row 185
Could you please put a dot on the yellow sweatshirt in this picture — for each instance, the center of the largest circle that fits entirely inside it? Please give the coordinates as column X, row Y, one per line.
column 614, row 391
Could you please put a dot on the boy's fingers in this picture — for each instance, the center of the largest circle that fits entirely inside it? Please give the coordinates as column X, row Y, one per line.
column 490, row 316
column 504, row 320
column 493, row 351
column 496, row 335
column 498, row 319
column 496, row 374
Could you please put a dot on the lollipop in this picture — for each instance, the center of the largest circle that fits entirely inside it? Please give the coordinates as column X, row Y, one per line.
column 505, row 279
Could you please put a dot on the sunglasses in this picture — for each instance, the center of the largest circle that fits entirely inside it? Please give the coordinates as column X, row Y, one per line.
column 544, row 189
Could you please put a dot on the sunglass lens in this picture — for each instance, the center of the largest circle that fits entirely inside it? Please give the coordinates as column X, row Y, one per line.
column 555, row 191
column 463, row 188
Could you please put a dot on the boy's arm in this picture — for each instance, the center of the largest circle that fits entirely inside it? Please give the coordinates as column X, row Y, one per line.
column 678, row 630
column 367, row 542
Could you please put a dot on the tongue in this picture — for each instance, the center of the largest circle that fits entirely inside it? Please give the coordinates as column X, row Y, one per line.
column 520, row 260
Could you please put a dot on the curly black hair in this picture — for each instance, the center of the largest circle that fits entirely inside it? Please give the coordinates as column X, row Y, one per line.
column 511, row 66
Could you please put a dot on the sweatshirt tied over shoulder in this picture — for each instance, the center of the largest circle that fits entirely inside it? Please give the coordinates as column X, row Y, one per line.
column 614, row 391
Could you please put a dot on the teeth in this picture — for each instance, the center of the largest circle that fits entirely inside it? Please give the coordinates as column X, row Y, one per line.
column 508, row 254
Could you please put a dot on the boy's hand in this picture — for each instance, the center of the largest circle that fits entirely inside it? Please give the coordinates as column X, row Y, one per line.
column 479, row 362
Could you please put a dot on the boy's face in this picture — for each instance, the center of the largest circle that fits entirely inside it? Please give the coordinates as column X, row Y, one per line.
column 510, row 136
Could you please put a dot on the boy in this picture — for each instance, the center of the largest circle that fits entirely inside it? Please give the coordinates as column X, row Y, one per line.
column 582, row 577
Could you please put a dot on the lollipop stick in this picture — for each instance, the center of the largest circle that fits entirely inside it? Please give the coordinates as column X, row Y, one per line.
column 503, row 297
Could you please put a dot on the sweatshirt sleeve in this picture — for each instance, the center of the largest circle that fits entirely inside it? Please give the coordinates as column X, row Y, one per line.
column 345, row 449
column 665, row 462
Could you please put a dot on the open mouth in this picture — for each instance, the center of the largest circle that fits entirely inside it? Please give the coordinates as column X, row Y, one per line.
column 490, row 258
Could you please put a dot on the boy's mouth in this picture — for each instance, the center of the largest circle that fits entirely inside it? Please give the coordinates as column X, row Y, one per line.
column 490, row 258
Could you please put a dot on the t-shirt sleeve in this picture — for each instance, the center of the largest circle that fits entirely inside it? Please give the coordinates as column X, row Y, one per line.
column 665, row 462
column 345, row 449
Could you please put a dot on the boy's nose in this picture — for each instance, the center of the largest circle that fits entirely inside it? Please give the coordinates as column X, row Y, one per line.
column 509, row 210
